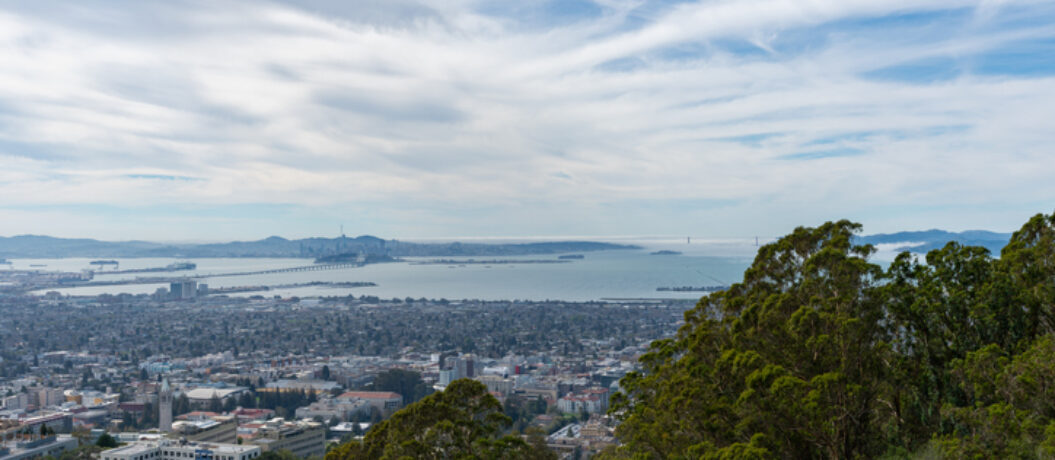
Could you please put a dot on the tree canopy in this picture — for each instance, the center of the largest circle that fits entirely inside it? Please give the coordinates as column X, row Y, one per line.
column 107, row 441
column 820, row 353
column 407, row 383
column 463, row 421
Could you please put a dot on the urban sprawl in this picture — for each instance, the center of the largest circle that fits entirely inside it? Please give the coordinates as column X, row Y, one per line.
column 185, row 374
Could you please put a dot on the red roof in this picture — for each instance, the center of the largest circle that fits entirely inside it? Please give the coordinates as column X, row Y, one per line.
column 371, row 395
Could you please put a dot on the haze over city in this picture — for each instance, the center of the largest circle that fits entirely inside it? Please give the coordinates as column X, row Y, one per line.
column 215, row 121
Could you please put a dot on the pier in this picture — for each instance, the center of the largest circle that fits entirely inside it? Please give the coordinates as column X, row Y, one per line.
column 329, row 284
column 171, row 279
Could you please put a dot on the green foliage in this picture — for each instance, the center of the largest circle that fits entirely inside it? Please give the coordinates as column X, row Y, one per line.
column 106, row 441
column 521, row 410
column 819, row 353
column 464, row 421
column 281, row 454
column 787, row 362
column 284, row 402
column 181, row 405
column 407, row 383
column 84, row 452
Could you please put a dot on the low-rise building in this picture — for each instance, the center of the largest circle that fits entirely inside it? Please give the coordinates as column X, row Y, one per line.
column 59, row 422
column 385, row 401
column 546, row 391
column 221, row 429
column 590, row 400
column 329, row 409
column 203, row 397
column 246, row 415
column 303, row 439
column 497, row 384
column 316, row 386
column 18, row 401
column 91, row 418
column 597, row 433
column 52, row 446
column 169, row 449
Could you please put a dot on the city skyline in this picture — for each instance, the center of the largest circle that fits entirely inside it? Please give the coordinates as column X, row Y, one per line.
column 210, row 121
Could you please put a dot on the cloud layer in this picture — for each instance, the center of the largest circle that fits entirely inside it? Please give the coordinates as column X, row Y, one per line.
column 222, row 120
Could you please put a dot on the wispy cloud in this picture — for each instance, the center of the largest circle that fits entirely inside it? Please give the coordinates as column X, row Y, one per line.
column 476, row 116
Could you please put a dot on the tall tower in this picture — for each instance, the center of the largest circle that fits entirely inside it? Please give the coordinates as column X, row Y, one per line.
column 165, row 407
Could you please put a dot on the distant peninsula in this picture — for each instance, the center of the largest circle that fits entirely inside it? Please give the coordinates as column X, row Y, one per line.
column 324, row 249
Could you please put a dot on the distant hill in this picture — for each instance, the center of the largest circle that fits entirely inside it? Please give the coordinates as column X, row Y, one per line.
column 924, row 241
column 33, row 246
column 47, row 246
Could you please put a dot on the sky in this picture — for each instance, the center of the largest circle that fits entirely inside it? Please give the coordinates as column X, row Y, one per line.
column 217, row 120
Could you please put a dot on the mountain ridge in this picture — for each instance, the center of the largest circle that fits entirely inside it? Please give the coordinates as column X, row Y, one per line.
column 42, row 246
column 922, row 241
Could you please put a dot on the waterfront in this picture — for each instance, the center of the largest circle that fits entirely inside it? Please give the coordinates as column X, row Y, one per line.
column 599, row 275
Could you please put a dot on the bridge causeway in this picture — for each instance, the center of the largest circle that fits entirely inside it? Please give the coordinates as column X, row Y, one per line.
column 303, row 268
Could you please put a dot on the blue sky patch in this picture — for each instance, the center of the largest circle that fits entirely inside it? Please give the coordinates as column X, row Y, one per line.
column 164, row 177
column 820, row 154
column 750, row 140
column 1035, row 58
column 922, row 71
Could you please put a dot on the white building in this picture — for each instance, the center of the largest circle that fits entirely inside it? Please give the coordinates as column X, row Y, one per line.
column 318, row 386
column 329, row 409
column 385, row 401
column 590, row 400
column 304, row 439
column 176, row 450
column 52, row 446
column 41, row 397
column 14, row 402
column 202, row 397
column 497, row 384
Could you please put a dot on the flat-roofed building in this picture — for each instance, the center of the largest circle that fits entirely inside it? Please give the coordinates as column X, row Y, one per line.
column 50, row 446
column 590, row 400
column 385, row 401
column 222, row 429
column 169, row 449
column 329, row 409
column 497, row 384
column 245, row 415
column 303, row 439
column 316, row 386
column 59, row 422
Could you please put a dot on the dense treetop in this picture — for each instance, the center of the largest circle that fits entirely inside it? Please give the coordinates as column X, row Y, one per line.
column 820, row 353
column 462, row 422
column 817, row 353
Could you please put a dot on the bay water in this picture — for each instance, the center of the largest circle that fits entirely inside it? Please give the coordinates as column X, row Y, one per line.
column 611, row 274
